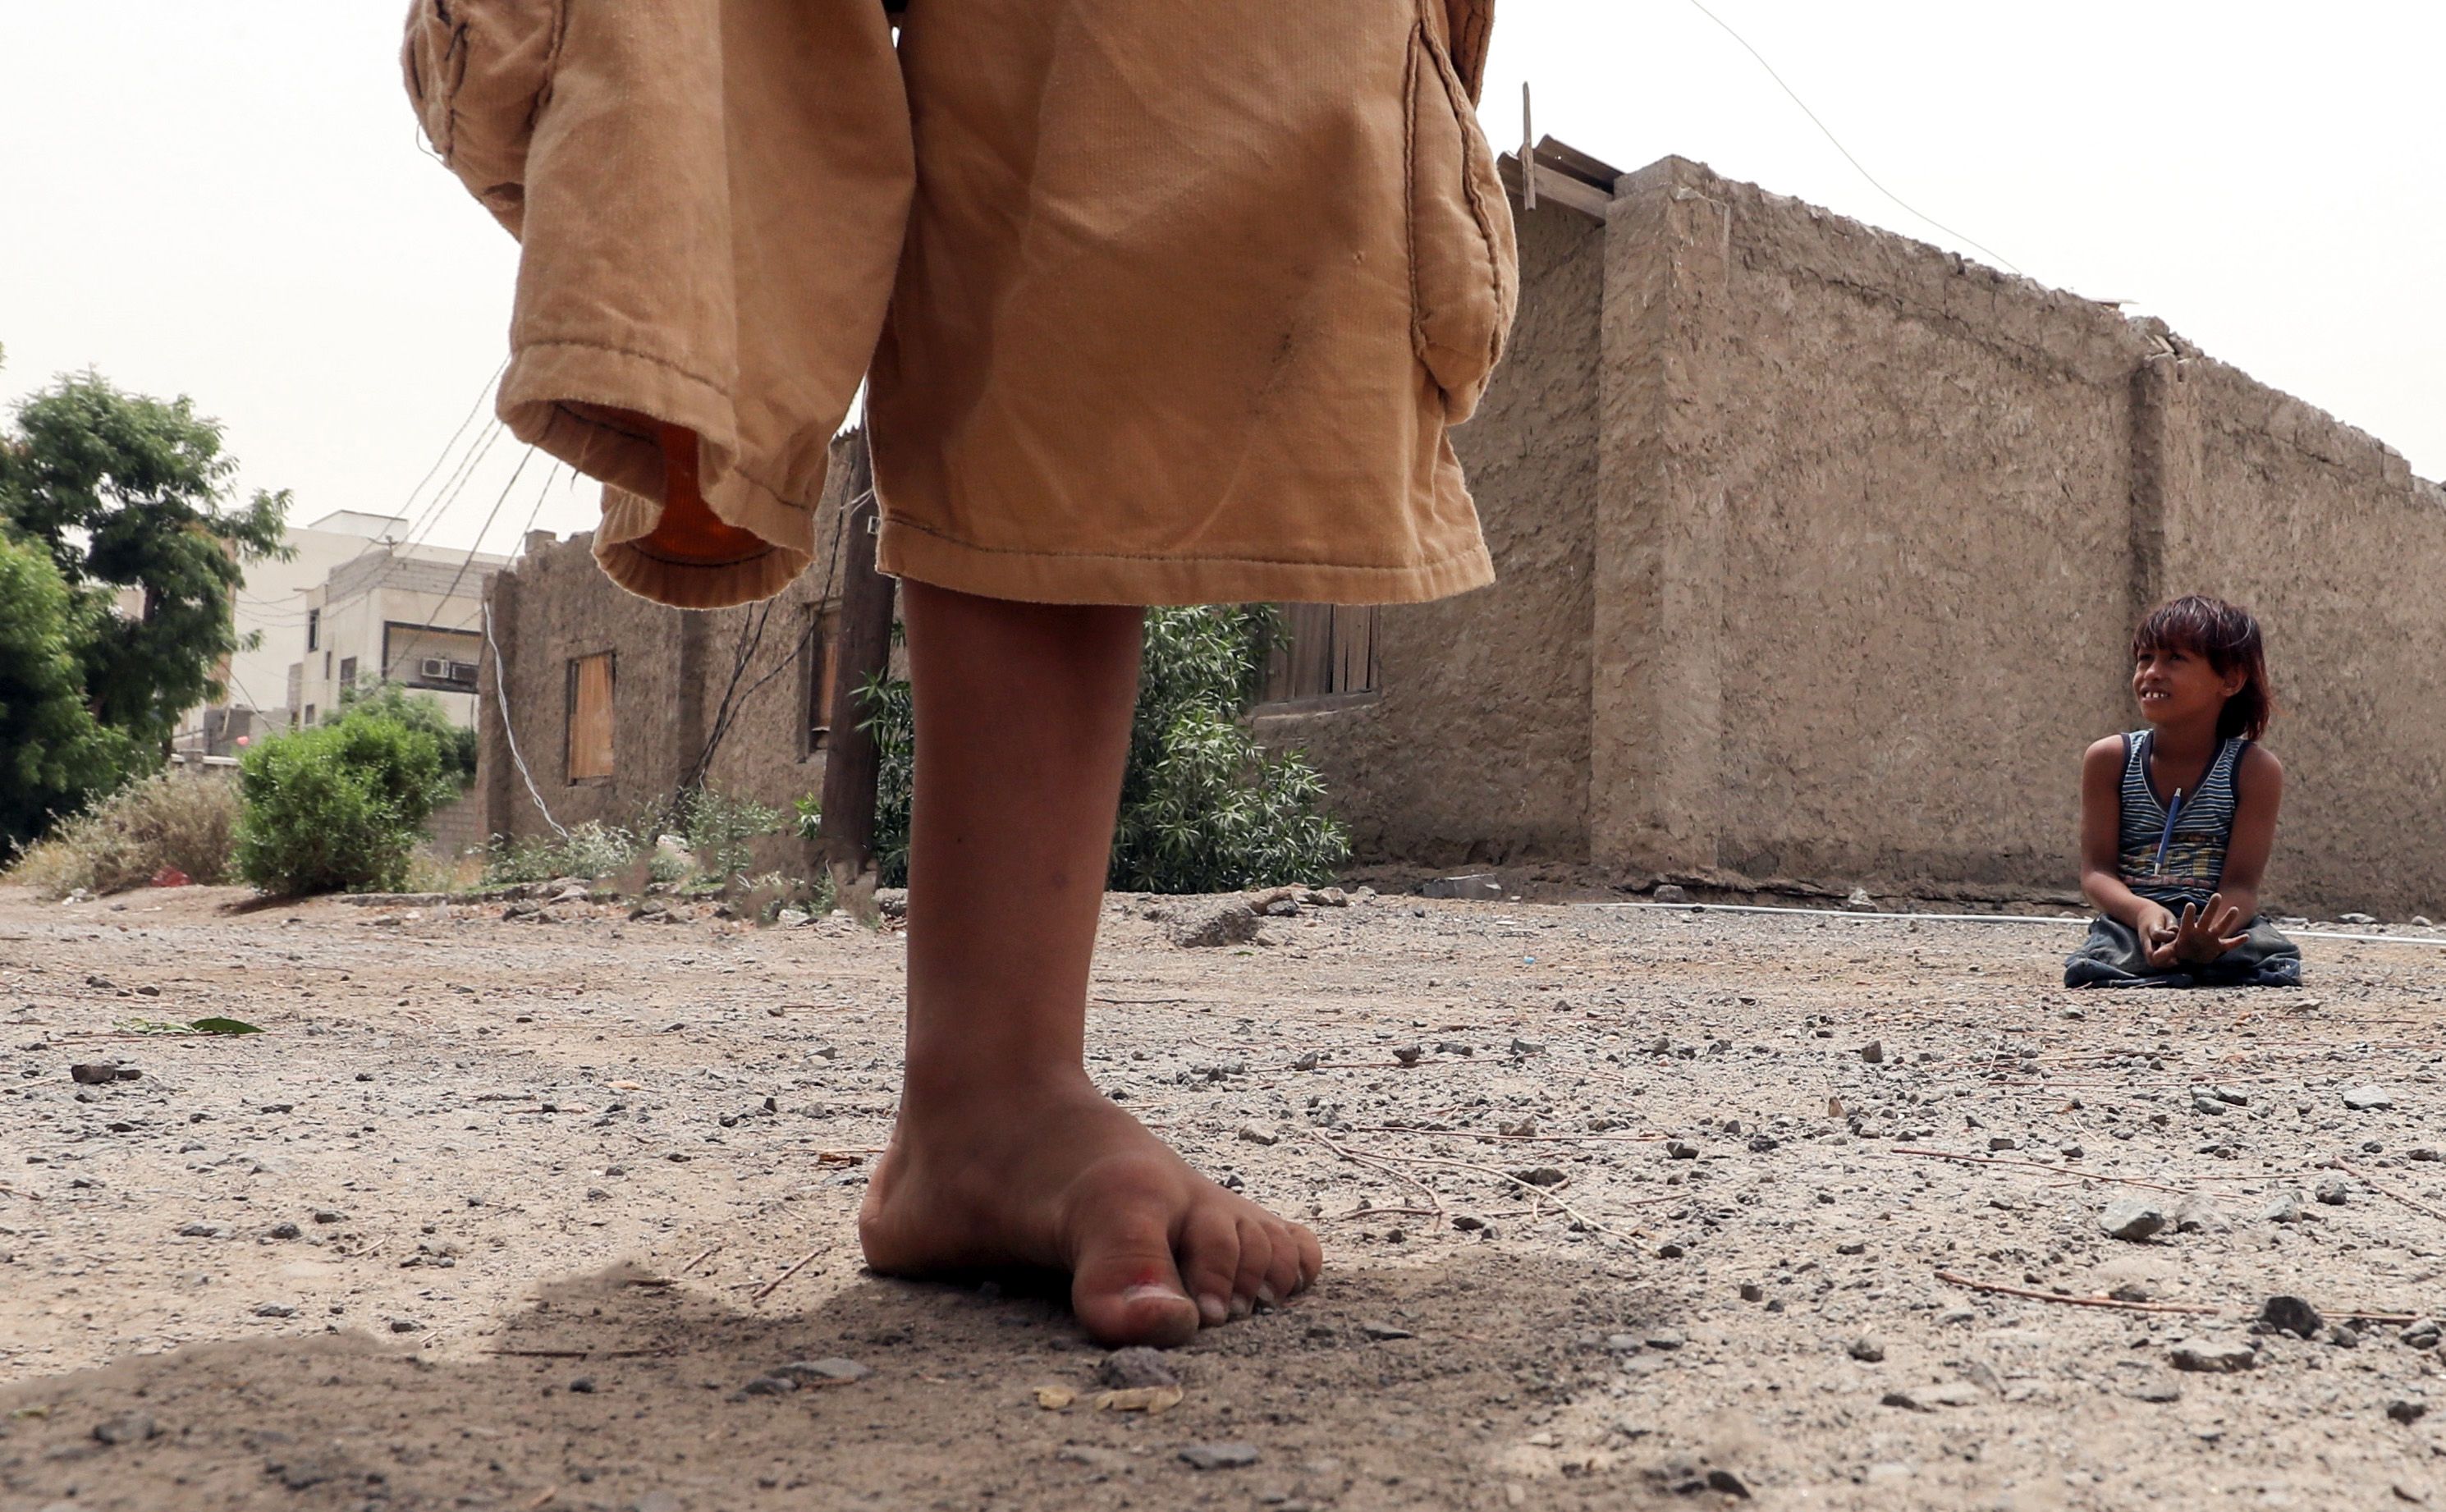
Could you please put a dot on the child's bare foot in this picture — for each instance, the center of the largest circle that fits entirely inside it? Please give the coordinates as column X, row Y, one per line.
column 1057, row 1177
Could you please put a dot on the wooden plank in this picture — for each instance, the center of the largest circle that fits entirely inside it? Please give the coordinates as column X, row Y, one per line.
column 589, row 717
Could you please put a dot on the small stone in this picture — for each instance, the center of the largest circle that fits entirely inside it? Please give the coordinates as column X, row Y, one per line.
column 2355, row 918
column 1258, row 1134
column 1219, row 1456
column 2286, row 1208
column 328, row 1215
column 1483, row 886
column 1528, row 1046
column 1671, row 1252
column 2291, row 1315
column 2214, row 1357
column 1468, row 1223
column 1540, row 1176
column 833, row 1371
column 284, row 1231
column 2334, row 1191
column 1669, row 892
column 1868, row 1350
column 2368, row 1098
column 583, row 1386
column 1852, row 1247
column 2156, row 1389
column 1664, row 1339
column 275, row 1309
column 1861, row 902
column 2195, row 1214
column 1382, row 1332
column 1761, row 1144
column 1752, row 1291
column 1680, row 1150
column 134, row 1428
column 2131, row 1218
column 2420, row 1333
column 203, row 1230
column 1726, row 1481
column 99, row 1073
column 405, row 1325
column 2203, row 1103
column 1409, row 1054
column 1228, row 922
column 770, row 1385
column 1135, row 1367
column 1998, row 1144
column 1874, row 1053
column 2342, row 1337
column 2407, row 1410
column 1904, row 1399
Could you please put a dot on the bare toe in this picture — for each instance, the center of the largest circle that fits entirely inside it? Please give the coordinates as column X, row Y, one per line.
column 1256, row 1262
column 1210, row 1261
column 1124, row 1286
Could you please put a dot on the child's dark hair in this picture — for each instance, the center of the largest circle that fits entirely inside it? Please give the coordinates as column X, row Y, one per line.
column 2229, row 638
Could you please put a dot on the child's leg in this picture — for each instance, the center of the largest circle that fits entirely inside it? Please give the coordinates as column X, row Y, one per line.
column 1005, row 1153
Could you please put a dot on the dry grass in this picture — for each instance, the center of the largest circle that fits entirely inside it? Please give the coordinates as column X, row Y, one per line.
column 181, row 821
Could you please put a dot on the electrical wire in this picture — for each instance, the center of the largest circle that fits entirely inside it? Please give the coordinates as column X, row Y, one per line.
column 1838, row 142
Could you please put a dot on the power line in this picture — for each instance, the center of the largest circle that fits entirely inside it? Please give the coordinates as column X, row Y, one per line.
column 1838, row 142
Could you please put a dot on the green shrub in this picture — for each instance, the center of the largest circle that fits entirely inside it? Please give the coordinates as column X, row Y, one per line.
column 421, row 711
column 56, row 759
column 590, row 850
column 721, row 833
column 1203, row 808
column 339, row 807
column 177, row 819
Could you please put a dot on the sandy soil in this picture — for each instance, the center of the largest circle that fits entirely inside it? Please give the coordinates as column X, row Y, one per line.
column 508, row 1213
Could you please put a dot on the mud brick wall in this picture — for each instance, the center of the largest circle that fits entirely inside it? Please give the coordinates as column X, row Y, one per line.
column 671, row 671
column 1819, row 550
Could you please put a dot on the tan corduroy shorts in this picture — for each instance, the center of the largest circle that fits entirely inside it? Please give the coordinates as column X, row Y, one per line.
column 1189, row 295
column 1156, row 303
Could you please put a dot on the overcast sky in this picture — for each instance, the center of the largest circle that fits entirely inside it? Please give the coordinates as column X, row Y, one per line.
column 229, row 202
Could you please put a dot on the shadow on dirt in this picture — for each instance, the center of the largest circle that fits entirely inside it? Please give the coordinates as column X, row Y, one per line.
column 618, row 1392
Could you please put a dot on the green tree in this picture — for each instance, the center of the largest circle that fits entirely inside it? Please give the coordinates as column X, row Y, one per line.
column 129, row 492
column 54, row 756
column 1203, row 808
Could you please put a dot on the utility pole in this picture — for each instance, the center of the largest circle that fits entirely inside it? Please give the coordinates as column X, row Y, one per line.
column 845, row 835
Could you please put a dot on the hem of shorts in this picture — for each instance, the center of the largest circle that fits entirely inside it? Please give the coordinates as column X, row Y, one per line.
column 906, row 550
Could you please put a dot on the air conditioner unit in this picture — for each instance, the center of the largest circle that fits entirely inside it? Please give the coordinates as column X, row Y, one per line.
column 462, row 672
column 434, row 668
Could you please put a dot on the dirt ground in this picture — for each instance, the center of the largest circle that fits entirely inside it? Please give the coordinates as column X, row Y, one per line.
column 509, row 1213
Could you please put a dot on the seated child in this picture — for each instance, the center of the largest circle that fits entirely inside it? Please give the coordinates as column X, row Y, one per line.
column 2177, row 819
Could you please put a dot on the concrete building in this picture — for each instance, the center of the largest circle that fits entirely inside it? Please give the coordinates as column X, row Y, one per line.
column 1819, row 551
column 403, row 613
column 270, row 604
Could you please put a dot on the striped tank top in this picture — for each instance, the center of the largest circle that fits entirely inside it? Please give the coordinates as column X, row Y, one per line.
column 2194, row 861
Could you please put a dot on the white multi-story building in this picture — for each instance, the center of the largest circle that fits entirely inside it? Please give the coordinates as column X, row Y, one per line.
column 402, row 614
column 271, row 603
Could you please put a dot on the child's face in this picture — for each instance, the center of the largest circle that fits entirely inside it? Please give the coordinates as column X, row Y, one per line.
column 2174, row 684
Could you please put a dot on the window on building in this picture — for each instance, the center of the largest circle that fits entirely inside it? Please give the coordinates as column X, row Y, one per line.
column 589, row 718
column 310, row 713
column 823, row 676
column 1324, row 650
column 314, row 629
column 326, row 667
column 348, row 671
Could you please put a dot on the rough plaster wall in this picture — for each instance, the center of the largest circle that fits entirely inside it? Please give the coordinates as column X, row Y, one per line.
column 2326, row 536
column 555, row 606
column 1924, row 481
column 1477, row 748
column 672, row 669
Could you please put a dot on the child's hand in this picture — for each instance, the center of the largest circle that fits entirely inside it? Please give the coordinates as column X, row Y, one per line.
column 2157, row 929
column 2202, row 936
